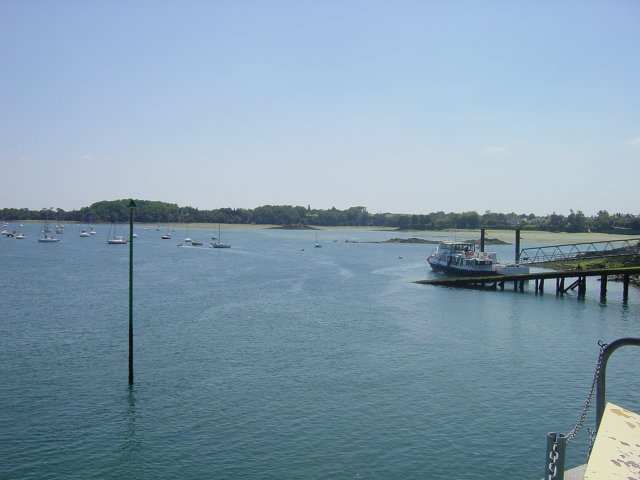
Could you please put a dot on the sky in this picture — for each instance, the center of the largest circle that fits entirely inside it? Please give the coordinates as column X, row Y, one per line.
column 399, row 106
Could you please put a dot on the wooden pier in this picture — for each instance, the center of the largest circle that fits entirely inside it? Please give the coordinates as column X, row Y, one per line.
column 564, row 280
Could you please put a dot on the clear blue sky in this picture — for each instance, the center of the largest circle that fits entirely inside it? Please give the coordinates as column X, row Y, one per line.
column 399, row 106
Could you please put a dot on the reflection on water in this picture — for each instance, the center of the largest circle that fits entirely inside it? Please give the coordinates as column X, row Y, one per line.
column 274, row 359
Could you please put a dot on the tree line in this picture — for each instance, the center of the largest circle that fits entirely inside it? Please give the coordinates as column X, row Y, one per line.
column 147, row 211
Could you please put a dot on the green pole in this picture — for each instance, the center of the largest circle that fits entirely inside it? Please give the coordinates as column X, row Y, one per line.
column 132, row 205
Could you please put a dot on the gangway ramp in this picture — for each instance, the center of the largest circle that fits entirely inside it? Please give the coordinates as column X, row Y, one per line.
column 573, row 251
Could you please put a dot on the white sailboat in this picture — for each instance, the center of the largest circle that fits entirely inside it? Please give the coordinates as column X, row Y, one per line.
column 317, row 245
column 46, row 238
column 59, row 226
column 116, row 239
column 187, row 238
column 218, row 243
column 83, row 231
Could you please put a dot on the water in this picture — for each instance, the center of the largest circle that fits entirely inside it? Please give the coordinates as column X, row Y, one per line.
column 268, row 361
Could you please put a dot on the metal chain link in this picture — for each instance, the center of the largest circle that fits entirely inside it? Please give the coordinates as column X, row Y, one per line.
column 587, row 402
column 553, row 456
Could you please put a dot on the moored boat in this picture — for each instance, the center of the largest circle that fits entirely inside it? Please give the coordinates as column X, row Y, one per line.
column 462, row 258
column 46, row 238
column 218, row 243
column 115, row 239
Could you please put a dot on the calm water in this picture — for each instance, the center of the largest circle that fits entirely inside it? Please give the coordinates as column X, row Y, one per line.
column 265, row 361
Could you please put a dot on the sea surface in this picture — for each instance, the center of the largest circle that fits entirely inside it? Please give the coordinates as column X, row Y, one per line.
column 277, row 360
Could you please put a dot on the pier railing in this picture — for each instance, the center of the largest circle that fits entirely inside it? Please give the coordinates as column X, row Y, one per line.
column 572, row 251
column 557, row 442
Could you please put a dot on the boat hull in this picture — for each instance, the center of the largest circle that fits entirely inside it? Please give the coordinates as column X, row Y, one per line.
column 467, row 272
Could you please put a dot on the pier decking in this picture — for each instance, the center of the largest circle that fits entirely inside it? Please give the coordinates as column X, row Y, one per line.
column 579, row 282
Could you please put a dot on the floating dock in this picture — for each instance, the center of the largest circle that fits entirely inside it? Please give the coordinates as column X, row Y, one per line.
column 577, row 280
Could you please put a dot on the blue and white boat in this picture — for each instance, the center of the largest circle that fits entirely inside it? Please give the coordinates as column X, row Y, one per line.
column 462, row 258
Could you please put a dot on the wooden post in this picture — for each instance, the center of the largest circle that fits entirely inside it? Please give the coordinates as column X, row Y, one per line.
column 582, row 286
column 482, row 234
column 517, row 257
column 603, row 287
column 625, row 288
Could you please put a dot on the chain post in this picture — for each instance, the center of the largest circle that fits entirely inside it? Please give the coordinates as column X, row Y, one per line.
column 556, row 448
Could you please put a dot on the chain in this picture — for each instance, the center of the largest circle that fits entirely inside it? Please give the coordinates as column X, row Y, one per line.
column 553, row 456
column 587, row 402
column 592, row 439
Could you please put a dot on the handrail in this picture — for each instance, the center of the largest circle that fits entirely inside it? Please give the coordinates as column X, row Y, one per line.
column 600, row 389
column 557, row 442
column 569, row 251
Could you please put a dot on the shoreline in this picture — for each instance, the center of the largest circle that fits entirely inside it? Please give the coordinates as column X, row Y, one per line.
column 508, row 236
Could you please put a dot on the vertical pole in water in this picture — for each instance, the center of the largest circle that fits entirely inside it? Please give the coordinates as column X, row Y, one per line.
column 482, row 233
column 603, row 287
column 517, row 245
column 625, row 288
column 132, row 205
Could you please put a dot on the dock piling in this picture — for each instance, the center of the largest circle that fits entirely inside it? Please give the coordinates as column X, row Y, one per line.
column 494, row 282
column 625, row 288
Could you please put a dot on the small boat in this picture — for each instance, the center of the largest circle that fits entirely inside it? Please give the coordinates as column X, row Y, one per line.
column 187, row 238
column 19, row 236
column 166, row 236
column 196, row 243
column 46, row 238
column 116, row 239
column 317, row 245
column 83, row 231
column 218, row 243
column 462, row 258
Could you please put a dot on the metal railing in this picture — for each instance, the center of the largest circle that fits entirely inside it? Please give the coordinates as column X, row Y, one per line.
column 571, row 251
column 557, row 442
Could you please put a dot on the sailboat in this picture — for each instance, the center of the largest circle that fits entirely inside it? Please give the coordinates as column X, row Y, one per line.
column 317, row 245
column 83, row 231
column 218, row 243
column 59, row 226
column 116, row 239
column 166, row 236
column 187, row 239
column 46, row 238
